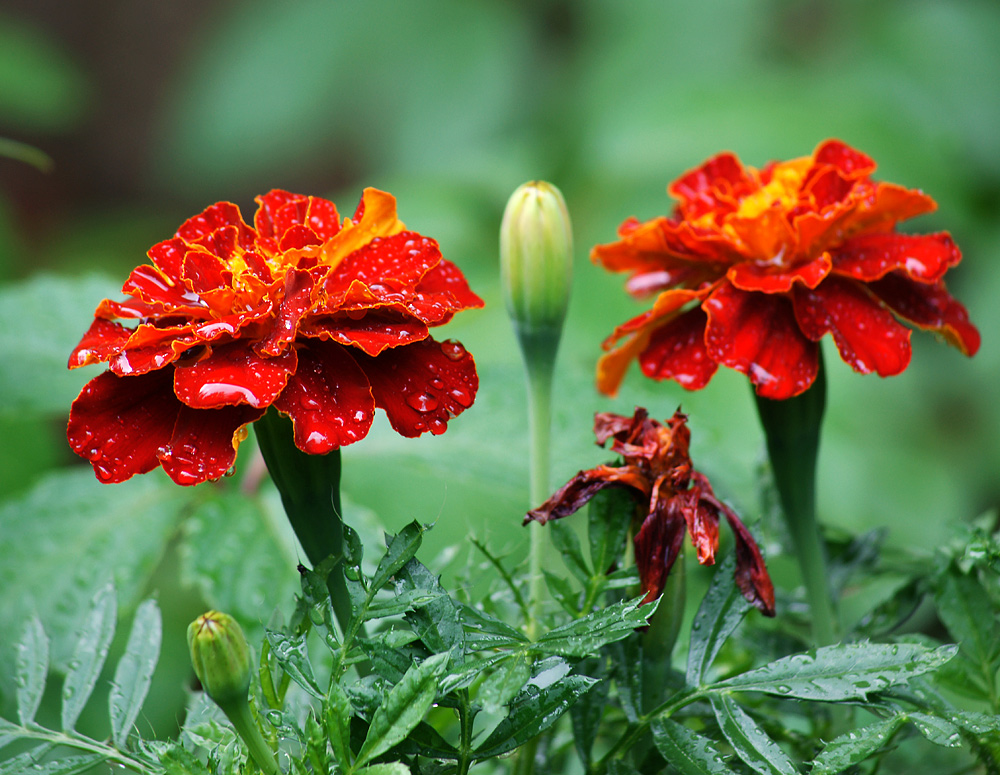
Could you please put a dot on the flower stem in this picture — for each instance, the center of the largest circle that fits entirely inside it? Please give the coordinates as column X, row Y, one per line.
column 239, row 715
column 792, row 428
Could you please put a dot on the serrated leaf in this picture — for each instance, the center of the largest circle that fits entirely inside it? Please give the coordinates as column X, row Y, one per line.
column 977, row 723
column 720, row 613
column 855, row 746
column 337, row 719
column 506, row 680
column 748, row 740
column 290, row 652
column 23, row 762
column 967, row 612
column 400, row 604
column 91, row 650
column 401, row 548
column 386, row 768
column 487, row 631
column 403, row 708
column 470, row 670
column 531, row 713
column 938, row 730
column 566, row 541
column 134, row 672
column 609, row 515
column 844, row 672
column 585, row 636
column 563, row 592
column 32, row 667
column 438, row 624
column 687, row 751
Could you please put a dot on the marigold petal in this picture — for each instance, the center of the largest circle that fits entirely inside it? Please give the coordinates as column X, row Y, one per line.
column 396, row 261
column 215, row 217
column 753, row 276
column 575, row 494
column 375, row 331
column 441, row 293
column 870, row 257
column 296, row 301
column 756, row 334
column 677, row 351
column 657, row 546
column 849, row 161
column 867, row 335
column 102, row 341
column 152, row 347
column 422, row 385
column 168, row 256
column 204, row 271
column 715, row 186
column 328, row 399
column 203, row 444
column 702, row 524
column 611, row 366
column 267, row 220
column 374, row 218
column 233, row 374
column 765, row 236
column 152, row 285
column 930, row 307
column 119, row 424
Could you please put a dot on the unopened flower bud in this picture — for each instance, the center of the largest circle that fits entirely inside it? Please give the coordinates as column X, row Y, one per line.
column 221, row 657
column 536, row 259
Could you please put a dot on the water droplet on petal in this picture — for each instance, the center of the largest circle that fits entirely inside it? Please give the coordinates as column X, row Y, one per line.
column 422, row 402
column 461, row 396
column 453, row 350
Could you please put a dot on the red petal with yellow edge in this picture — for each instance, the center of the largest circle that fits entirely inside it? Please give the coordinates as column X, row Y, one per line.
column 677, row 351
column 151, row 285
column 756, row 334
column 611, row 366
column 867, row 335
column 233, row 374
column 441, row 293
column 872, row 256
column 328, row 399
column 119, row 424
column 715, row 186
column 203, row 444
column 151, row 347
column 102, row 341
column 296, row 301
column 397, row 261
column 929, row 307
column 849, row 161
column 573, row 495
column 205, row 272
column 657, row 545
column 266, row 217
column 168, row 256
column 751, row 276
column 377, row 330
column 216, row 217
column 422, row 385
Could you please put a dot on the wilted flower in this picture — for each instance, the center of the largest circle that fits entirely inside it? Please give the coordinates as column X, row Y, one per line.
column 673, row 498
column 756, row 266
column 323, row 319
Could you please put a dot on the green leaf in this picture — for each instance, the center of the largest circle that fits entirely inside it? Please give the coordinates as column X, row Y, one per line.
column 386, row 768
column 401, row 548
column 844, row 672
column 291, row 653
column 628, row 658
column 938, row 730
column 438, row 624
column 563, row 592
column 486, row 631
column 566, row 541
column 855, row 746
column 609, row 516
column 71, row 765
column 32, row 668
column 337, row 719
column 403, row 708
column 134, row 672
column 687, row 751
column 506, row 680
column 748, row 740
column 472, row 669
column 720, row 613
column 588, row 634
column 89, row 654
column 586, row 713
column 967, row 612
column 400, row 604
column 531, row 713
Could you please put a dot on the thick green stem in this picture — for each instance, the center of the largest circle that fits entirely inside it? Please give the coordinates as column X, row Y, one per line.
column 243, row 722
column 310, row 492
column 792, row 428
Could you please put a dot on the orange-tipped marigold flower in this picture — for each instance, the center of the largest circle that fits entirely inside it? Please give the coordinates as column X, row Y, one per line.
column 656, row 467
column 756, row 266
column 320, row 318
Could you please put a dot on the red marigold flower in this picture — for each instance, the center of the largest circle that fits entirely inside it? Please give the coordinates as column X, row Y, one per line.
column 657, row 468
column 756, row 266
column 321, row 318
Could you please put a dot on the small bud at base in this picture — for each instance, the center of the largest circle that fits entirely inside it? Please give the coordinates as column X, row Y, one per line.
column 220, row 656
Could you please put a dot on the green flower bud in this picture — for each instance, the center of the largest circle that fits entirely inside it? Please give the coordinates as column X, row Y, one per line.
column 221, row 657
column 536, row 259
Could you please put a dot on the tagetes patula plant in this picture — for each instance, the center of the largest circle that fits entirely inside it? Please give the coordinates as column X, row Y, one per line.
column 322, row 318
column 672, row 497
column 754, row 267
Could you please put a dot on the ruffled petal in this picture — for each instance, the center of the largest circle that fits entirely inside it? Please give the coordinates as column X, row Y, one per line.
column 867, row 335
column 756, row 334
column 870, row 257
column 328, row 399
column 397, row 261
column 119, row 424
column 441, row 293
column 929, row 307
column 203, row 444
column 715, row 186
column 422, row 385
column 702, row 524
column 295, row 302
column 102, row 341
column 218, row 216
column 374, row 218
column 611, row 366
column 756, row 276
column 850, row 162
column 151, row 285
column 151, row 347
column 573, row 495
column 657, row 546
column 677, row 351
column 233, row 374
column 375, row 331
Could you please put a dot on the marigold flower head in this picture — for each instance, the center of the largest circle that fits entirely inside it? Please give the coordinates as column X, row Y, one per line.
column 756, row 266
column 324, row 319
column 673, row 498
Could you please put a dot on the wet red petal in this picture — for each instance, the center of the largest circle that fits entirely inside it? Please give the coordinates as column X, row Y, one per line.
column 205, row 271
column 233, row 374
column 218, row 216
column 657, row 545
column 328, row 399
column 573, row 495
column 442, row 292
column 714, row 186
column 103, row 340
column 398, row 261
column 851, row 162
column 295, row 303
column 268, row 206
column 677, row 351
column 867, row 335
column 756, row 276
column 422, row 385
column 151, row 347
column 203, row 444
column 702, row 524
column 929, row 307
column 168, row 256
column 120, row 423
column 152, row 285
column 756, row 334
column 376, row 331
column 922, row 257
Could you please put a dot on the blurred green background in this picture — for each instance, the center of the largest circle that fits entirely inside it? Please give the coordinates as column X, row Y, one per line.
column 152, row 111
